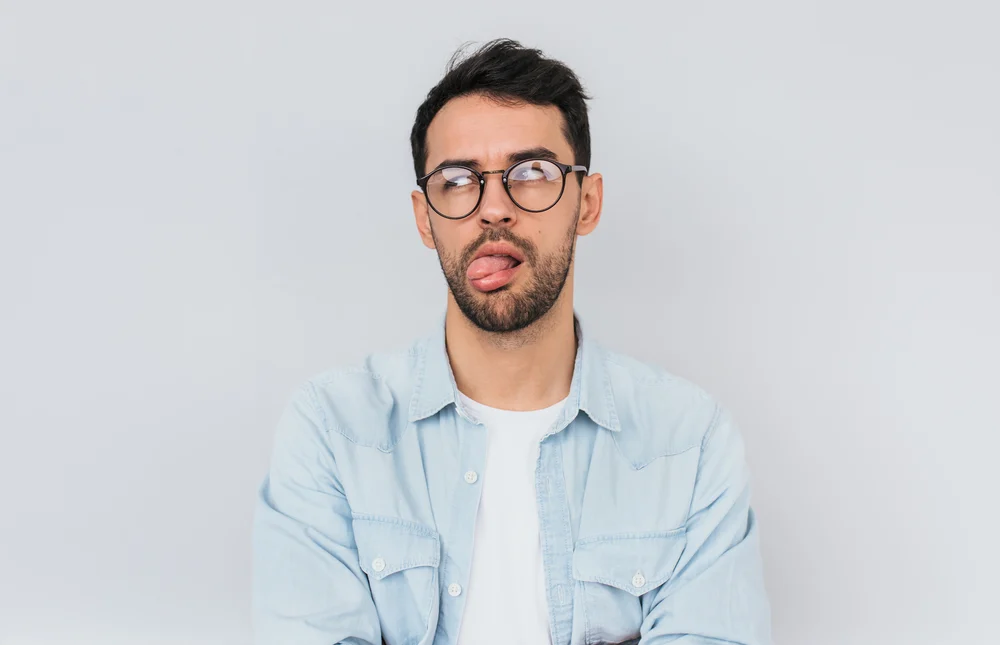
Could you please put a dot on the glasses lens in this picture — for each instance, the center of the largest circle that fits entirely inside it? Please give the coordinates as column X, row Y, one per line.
column 453, row 192
column 535, row 184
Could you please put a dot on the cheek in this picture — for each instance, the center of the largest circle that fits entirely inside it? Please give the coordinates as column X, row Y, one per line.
column 554, row 233
column 452, row 244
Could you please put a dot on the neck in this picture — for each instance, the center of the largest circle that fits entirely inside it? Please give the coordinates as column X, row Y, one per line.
column 528, row 369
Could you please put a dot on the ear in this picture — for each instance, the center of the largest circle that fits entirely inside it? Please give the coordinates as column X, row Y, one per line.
column 422, row 215
column 591, row 202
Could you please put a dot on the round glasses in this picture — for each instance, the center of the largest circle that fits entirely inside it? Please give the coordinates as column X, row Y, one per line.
column 534, row 185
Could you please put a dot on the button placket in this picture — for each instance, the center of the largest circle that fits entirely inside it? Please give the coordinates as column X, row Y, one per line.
column 472, row 457
column 555, row 529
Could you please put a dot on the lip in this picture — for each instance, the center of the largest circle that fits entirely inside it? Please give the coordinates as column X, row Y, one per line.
column 499, row 248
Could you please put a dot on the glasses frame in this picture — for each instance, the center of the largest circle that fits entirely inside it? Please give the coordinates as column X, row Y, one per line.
column 565, row 168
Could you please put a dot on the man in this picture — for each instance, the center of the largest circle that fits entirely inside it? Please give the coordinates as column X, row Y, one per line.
column 506, row 479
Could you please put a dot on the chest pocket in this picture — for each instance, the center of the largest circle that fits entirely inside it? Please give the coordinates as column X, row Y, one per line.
column 613, row 573
column 401, row 560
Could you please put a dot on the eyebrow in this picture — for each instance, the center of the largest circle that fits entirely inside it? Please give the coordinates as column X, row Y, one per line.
column 540, row 152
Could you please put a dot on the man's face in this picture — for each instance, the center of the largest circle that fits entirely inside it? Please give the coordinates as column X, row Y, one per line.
column 488, row 136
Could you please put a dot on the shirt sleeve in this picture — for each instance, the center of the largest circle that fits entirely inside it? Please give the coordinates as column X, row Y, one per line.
column 308, row 587
column 716, row 594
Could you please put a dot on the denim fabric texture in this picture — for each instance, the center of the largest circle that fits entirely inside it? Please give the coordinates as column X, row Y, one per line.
column 364, row 525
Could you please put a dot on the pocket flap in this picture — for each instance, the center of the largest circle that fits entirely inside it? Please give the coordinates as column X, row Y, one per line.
column 636, row 562
column 387, row 545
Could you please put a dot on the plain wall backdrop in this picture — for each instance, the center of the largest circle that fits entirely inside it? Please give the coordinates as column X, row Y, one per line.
column 205, row 203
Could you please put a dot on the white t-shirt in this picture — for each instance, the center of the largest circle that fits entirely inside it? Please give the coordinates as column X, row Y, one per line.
column 506, row 591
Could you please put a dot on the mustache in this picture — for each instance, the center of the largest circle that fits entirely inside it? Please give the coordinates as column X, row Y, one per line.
column 526, row 247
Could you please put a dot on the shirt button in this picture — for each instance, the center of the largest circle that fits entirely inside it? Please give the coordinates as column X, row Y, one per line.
column 638, row 580
column 471, row 477
column 454, row 589
column 378, row 564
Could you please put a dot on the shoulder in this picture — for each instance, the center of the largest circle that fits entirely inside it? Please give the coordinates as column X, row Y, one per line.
column 368, row 403
column 660, row 414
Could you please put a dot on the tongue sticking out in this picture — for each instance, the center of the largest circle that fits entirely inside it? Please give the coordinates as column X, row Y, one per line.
column 488, row 265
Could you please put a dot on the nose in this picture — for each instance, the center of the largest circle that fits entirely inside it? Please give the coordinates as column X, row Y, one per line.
column 496, row 207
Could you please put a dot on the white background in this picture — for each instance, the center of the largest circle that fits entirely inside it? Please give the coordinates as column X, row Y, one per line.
column 205, row 203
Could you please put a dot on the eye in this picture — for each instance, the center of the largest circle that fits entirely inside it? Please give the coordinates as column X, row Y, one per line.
column 451, row 178
column 526, row 174
column 535, row 170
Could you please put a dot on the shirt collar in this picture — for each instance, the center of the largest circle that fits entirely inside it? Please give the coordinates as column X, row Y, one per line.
column 590, row 389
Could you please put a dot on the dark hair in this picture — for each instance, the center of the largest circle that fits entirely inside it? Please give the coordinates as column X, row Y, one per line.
column 505, row 71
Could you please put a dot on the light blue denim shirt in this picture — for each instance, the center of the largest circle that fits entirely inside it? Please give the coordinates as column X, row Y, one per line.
column 364, row 526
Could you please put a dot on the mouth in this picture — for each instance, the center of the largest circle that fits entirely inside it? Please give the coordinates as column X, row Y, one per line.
column 491, row 272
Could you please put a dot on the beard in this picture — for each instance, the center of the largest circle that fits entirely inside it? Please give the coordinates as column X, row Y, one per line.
column 505, row 310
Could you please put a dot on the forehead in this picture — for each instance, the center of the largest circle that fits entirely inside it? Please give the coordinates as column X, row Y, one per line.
column 474, row 127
